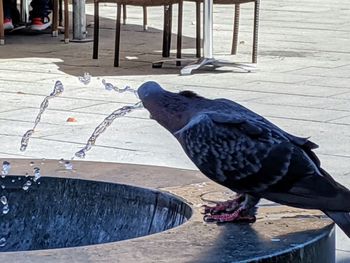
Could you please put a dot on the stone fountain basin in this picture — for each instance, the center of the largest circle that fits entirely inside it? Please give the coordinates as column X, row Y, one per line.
column 64, row 212
column 88, row 212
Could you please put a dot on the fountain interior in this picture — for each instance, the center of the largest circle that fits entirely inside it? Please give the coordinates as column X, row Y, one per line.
column 65, row 212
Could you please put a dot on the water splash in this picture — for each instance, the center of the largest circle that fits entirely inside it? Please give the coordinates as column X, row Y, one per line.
column 2, row 242
column 6, row 166
column 104, row 125
column 68, row 165
column 109, row 86
column 27, row 185
column 5, row 209
column 5, row 204
column 85, row 79
column 37, row 174
column 58, row 89
column 25, row 140
column 3, row 200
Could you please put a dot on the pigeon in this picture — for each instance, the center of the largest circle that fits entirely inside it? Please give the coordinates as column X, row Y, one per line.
column 243, row 151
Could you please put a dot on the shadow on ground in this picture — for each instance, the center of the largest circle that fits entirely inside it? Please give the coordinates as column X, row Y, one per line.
column 139, row 49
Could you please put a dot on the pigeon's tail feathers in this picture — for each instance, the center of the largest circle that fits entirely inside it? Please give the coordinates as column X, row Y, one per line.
column 342, row 219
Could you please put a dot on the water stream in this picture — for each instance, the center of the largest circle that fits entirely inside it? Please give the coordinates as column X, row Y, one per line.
column 58, row 89
column 104, row 125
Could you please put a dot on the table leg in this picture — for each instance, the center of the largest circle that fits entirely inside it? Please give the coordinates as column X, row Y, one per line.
column 79, row 22
column 2, row 32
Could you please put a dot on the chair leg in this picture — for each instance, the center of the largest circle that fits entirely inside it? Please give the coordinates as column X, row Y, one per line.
column 235, row 30
column 124, row 15
column 66, row 22
column 145, row 26
column 96, row 30
column 167, row 30
column 2, row 31
column 55, row 18
column 198, row 28
column 256, row 28
column 117, row 36
column 179, row 33
column 60, row 15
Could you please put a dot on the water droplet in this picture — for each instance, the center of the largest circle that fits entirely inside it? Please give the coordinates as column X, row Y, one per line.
column 37, row 174
column 85, row 79
column 81, row 153
column 61, row 160
column 275, row 239
column 68, row 165
column 108, row 86
column 25, row 140
column 3, row 200
column 3, row 186
column 13, row 180
column 19, row 178
column 2, row 242
column 43, row 161
column 5, row 169
column 31, row 163
column 26, row 175
column 26, row 185
column 5, row 209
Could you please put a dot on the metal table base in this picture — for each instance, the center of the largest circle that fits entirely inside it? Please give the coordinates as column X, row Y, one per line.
column 212, row 63
column 208, row 60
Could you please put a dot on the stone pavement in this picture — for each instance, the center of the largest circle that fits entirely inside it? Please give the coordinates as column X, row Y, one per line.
column 302, row 83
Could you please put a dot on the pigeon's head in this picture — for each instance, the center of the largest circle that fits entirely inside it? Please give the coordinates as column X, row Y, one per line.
column 171, row 110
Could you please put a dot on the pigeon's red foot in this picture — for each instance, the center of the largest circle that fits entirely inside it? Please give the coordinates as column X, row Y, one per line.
column 240, row 215
column 222, row 207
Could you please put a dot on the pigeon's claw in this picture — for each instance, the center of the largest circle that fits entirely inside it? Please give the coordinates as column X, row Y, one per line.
column 227, row 206
column 222, row 207
column 240, row 215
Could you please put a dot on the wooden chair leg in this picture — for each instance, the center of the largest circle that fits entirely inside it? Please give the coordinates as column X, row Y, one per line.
column 167, row 30
column 66, row 22
column 60, row 15
column 117, row 36
column 179, row 33
column 96, row 30
column 55, row 18
column 235, row 30
column 256, row 28
column 145, row 26
column 2, row 31
column 124, row 15
column 198, row 28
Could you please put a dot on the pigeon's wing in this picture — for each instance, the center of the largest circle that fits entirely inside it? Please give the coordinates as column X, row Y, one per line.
column 260, row 121
column 248, row 157
column 235, row 151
